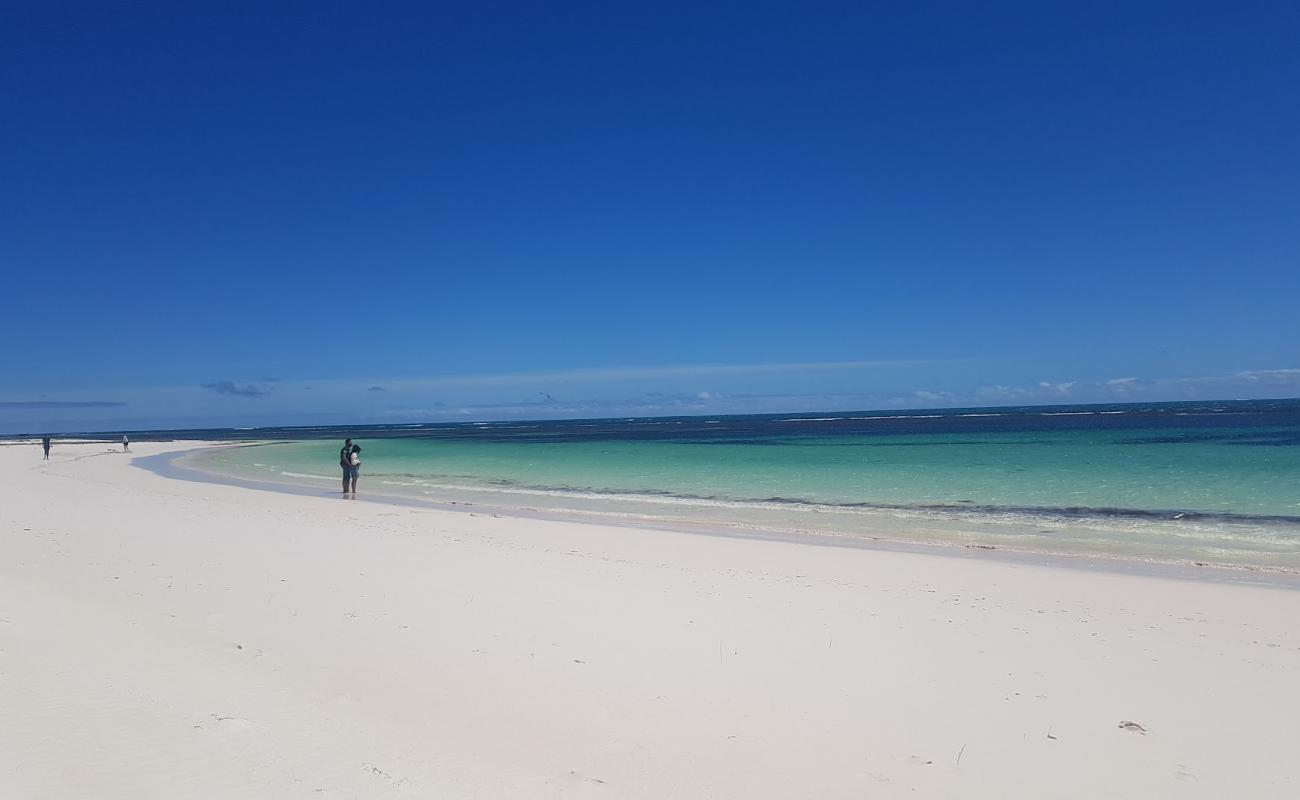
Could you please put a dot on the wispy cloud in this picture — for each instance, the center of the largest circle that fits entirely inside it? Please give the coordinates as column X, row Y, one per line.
column 1289, row 377
column 697, row 389
column 1043, row 391
column 1229, row 385
column 237, row 389
column 61, row 404
column 1258, row 382
column 650, row 404
column 611, row 374
column 926, row 397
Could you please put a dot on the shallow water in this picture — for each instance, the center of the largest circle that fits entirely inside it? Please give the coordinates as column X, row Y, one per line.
column 1217, row 482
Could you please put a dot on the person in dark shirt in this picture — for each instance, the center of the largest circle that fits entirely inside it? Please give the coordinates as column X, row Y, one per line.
column 45, row 444
column 345, row 461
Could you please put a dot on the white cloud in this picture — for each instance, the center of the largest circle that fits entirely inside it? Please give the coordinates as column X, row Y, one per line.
column 1252, row 383
column 1279, row 376
column 824, row 386
column 1062, row 389
column 926, row 396
column 1002, row 393
column 605, row 374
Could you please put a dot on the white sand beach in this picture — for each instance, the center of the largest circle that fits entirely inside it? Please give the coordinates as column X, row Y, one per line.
column 162, row 638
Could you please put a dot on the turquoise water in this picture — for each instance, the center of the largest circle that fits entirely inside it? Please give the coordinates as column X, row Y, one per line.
column 1164, row 483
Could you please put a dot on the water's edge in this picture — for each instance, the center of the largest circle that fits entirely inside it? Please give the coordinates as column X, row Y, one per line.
column 180, row 465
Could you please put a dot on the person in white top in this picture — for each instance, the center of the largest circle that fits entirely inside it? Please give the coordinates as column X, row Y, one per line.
column 351, row 459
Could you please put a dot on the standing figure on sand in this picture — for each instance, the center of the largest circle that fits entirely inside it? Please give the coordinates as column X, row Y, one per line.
column 45, row 445
column 350, row 461
column 126, row 444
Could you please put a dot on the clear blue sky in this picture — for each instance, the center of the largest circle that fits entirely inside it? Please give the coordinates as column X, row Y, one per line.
column 273, row 212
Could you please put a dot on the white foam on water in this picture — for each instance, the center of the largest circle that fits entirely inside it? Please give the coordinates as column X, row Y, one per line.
column 811, row 419
column 307, row 475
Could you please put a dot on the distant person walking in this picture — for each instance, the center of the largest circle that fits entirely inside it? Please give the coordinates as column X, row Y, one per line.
column 349, row 472
column 126, row 445
column 45, row 445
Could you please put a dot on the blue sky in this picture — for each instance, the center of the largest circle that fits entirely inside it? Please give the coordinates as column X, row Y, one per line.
column 318, row 212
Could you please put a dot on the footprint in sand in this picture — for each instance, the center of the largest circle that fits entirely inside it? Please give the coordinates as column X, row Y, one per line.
column 216, row 722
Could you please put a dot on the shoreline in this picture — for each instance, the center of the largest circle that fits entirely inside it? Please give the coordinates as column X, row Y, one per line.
column 163, row 638
column 1187, row 569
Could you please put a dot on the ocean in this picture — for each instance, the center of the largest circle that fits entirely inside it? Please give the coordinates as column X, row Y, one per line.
column 1215, row 483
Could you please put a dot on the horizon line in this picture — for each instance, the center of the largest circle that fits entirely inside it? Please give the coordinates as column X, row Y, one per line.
column 891, row 412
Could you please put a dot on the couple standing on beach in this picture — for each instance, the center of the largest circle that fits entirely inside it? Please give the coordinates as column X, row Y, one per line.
column 350, row 461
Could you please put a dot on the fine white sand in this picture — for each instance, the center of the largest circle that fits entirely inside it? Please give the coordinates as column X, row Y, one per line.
column 170, row 639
